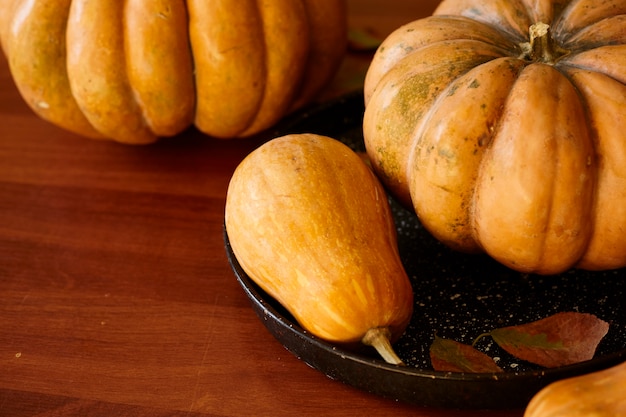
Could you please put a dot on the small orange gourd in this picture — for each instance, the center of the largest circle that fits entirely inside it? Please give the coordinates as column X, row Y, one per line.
column 310, row 223
column 597, row 394
column 501, row 122
column 137, row 70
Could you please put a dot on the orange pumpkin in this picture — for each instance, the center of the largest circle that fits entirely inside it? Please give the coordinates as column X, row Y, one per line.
column 137, row 70
column 311, row 225
column 597, row 394
column 501, row 122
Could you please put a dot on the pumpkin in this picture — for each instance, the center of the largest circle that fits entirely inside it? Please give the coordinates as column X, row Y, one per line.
column 501, row 123
column 310, row 223
column 597, row 394
column 137, row 70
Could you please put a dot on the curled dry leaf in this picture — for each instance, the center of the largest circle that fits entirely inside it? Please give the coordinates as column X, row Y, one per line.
column 451, row 356
column 559, row 340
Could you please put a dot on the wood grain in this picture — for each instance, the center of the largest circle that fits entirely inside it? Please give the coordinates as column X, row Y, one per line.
column 116, row 297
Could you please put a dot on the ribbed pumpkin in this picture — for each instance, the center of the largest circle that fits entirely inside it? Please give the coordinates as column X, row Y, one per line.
column 137, row 70
column 502, row 123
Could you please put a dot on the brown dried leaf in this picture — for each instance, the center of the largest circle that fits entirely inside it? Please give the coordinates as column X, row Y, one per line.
column 451, row 356
column 559, row 340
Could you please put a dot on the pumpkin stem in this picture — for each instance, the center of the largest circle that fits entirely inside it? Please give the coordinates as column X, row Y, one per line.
column 379, row 339
column 542, row 46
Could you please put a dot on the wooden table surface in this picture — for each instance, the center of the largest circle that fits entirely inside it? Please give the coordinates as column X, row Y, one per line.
column 116, row 297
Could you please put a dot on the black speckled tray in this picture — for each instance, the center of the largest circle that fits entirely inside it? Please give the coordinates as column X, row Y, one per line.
column 457, row 296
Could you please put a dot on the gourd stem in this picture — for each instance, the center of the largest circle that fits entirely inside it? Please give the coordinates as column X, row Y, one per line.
column 542, row 46
column 379, row 339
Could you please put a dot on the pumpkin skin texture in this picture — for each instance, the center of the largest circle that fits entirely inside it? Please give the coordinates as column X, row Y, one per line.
column 598, row 394
column 500, row 123
column 138, row 70
column 310, row 223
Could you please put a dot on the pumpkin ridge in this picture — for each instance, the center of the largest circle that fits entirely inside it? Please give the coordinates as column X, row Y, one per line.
column 581, row 13
column 605, row 249
column 545, row 219
column 609, row 60
column 159, row 65
column 265, row 69
column 39, row 68
column 423, row 121
column 282, row 28
column 96, row 66
column 227, row 64
column 414, row 36
column 440, row 184
column 134, row 95
column 608, row 31
column 544, row 10
column 508, row 16
column 326, row 48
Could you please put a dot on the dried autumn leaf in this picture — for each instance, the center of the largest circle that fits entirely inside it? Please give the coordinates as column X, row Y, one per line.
column 559, row 340
column 451, row 356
